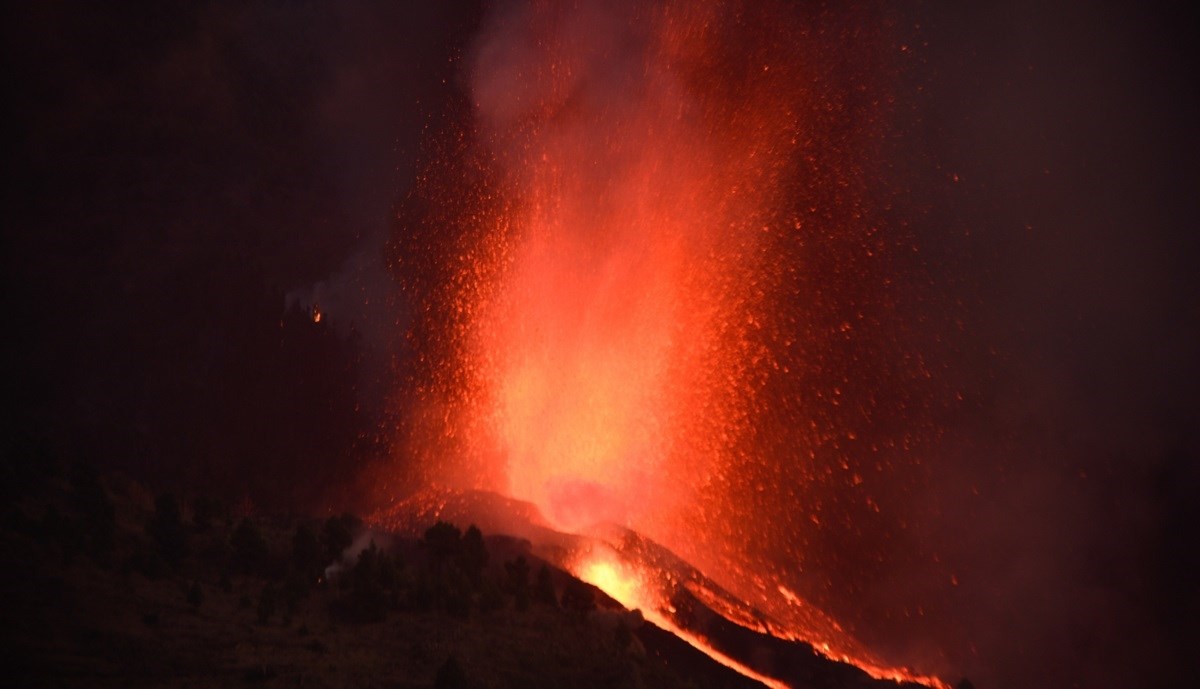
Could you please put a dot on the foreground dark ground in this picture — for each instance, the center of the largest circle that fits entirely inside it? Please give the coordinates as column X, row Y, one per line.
column 106, row 584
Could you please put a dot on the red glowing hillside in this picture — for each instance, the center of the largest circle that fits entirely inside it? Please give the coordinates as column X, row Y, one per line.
column 789, row 643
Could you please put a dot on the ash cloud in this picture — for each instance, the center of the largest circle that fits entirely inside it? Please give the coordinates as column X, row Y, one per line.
column 586, row 73
column 597, row 51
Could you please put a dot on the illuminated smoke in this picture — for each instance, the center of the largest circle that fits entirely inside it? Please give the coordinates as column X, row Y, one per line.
column 661, row 287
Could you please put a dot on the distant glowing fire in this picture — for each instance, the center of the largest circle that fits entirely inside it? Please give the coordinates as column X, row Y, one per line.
column 658, row 285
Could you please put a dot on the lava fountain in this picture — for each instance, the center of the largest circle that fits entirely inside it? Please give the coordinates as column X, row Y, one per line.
column 657, row 285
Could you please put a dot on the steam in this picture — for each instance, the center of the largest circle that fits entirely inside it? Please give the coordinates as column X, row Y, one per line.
column 349, row 556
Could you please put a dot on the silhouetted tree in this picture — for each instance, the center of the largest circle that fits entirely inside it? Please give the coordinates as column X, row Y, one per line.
column 195, row 595
column 455, row 592
column 54, row 527
column 422, row 595
column 72, row 533
column 307, row 554
column 450, row 675
column 368, row 600
column 518, row 580
column 295, row 589
column 491, row 596
column 578, row 596
column 267, row 603
column 97, row 515
column 543, row 588
column 473, row 555
column 442, row 542
column 149, row 563
column 338, row 535
column 249, row 547
column 205, row 511
column 166, row 529
column 623, row 636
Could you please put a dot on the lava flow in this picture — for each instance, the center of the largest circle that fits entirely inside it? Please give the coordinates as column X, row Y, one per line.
column 656, row 285
column 643, row 576
column 630, row 588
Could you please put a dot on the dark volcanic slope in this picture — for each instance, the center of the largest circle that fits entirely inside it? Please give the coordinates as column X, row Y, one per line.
column 91, row 599
column 106, row 585
column 747, row 641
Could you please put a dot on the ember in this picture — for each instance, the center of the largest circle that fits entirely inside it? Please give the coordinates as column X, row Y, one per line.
column 669, row 299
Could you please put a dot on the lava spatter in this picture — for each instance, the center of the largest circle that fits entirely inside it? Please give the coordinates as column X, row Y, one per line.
column 656, row 284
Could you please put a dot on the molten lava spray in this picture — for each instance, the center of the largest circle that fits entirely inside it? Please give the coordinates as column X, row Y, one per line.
column 659, row 284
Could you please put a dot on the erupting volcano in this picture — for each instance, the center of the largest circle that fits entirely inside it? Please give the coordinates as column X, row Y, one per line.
column 662, row 285
column 854, row 344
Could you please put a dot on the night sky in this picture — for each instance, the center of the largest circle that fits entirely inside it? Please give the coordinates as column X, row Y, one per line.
column 186, row 183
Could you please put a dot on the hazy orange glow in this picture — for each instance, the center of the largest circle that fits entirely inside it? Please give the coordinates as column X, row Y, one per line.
column 664, row 300
column 613, row 578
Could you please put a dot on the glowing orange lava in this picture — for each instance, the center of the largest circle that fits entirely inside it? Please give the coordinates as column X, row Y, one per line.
column 613, row 578
column 629, row 589
column 652, row 288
